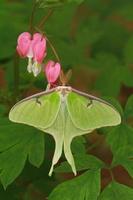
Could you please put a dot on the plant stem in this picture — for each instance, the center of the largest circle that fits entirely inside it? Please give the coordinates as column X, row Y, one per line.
column 50, row 44
column 45, row 18
column 111, row 174
column 16, row 76
column 32, row 17
column 38, row 28
column 53, row 49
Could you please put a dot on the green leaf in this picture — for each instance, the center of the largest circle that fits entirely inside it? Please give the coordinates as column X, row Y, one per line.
column 36, row 150
column 116, row 191
column 4, row 121
column 129, row 107
column 86, row 186
column 17, row 25
column 101, row 61
column 117, row 74
column 10, row 194
column 78, row 145
column 126, row 76
column 2, row 110
column 120, row 136
column 113, row 68
column 120, row 140
column 17, row 142
column 128, row 51
column 113, row 39
column 124, row 157
column 11, row 164
column 126, row 11
column 83, row 162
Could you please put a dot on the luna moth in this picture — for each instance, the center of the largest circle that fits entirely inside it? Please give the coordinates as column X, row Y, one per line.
column 64, row 113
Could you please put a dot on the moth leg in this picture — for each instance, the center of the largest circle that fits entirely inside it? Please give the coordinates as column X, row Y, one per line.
column 38, row 102
column 89, row 103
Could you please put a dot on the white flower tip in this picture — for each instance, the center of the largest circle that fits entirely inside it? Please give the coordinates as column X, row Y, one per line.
column 35, row 74
column 36, row 68
column 29, row 68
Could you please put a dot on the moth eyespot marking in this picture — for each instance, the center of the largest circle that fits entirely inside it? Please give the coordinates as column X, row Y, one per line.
column 38, row 102
column 89, row 104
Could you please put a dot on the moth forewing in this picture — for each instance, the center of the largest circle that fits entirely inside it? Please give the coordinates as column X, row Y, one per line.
column 89, row 112
column 38, row 110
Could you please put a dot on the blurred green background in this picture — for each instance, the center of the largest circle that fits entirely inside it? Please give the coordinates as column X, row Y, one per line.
column 94, row 38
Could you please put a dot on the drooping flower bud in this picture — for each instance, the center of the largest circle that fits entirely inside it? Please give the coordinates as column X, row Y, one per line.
column 52, row 71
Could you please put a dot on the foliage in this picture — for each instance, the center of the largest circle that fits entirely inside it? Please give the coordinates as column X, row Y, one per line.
column 79, row 185
column 116, row 191
column 16, row 146
column 95, row 39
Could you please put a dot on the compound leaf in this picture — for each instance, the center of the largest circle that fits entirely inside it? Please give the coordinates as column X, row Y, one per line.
column 86, row 186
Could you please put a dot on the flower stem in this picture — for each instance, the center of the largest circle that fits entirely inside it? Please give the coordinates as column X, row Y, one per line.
column 16, row 76
column 50, row 44
column 53, row 49
column 32, row 17
column 39, row 27
column 45, row 18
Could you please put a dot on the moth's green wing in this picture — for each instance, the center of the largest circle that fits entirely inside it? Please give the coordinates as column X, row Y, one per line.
column 57, row 131
column 71, row 132
column 43, row 112
column 64, row 116
column 88, row 112
column 63, row 132
column 39, row 110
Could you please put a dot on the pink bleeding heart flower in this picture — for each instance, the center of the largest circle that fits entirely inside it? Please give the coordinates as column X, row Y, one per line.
column 24, row 42
column 52, row 71
column 34, row 49
column 39, row 52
